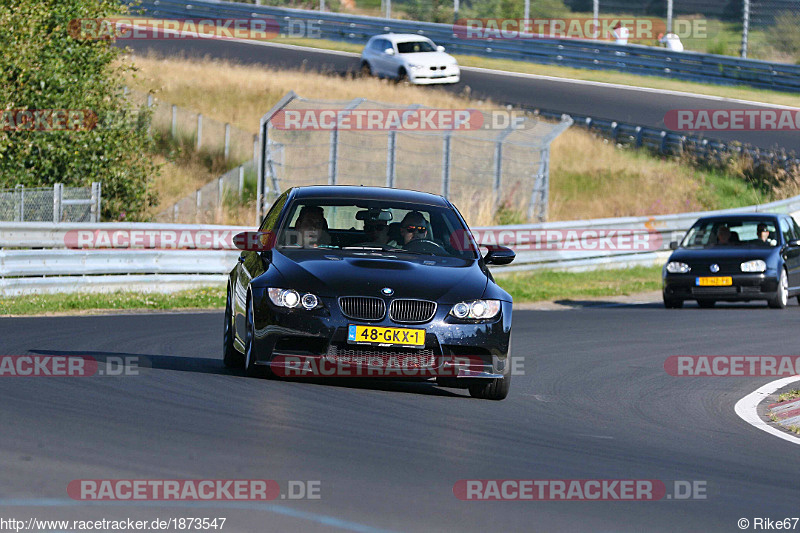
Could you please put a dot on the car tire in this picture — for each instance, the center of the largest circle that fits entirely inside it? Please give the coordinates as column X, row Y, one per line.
column 402, row 75
column 493, row 389
column 252, row 370
column 231, row 357
column 781, row 298
column 366, row 70
column 671, row 303
column 706, row 304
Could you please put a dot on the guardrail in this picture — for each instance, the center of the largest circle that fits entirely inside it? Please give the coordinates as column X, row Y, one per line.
column 47, row 265
column 595, row 55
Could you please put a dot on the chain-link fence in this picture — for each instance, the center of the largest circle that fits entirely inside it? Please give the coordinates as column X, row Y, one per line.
column 494, row 160
column 50, row 204
column 214, row 202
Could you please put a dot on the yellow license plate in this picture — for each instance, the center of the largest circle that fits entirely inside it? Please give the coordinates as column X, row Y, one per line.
column 385, row 336
column 714, row 281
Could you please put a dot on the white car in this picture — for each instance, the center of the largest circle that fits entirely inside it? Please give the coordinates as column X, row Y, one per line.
column 409, row 57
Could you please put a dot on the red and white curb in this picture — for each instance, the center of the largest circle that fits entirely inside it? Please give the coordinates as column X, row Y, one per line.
column 747, row 407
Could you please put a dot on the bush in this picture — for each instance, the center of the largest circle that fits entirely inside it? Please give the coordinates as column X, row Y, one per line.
column 516, row 9
column 43, row 67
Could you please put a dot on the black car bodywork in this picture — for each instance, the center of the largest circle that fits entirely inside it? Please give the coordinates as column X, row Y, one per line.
column 261, row 334
column 705, row 258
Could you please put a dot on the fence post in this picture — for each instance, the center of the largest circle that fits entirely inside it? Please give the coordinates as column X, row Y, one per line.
column 174, row 127
column 241, row 181
column 19, row 211
column 199, row 130
column 614, row 131
column 149, row 100
column 175, row 212
column 227, row 140
column 219, row 191
column 446, row 165
column 95, row 209
column 638, row 136
column 391, row 158
column 198, row 201
column 333, row 157
column 498, row 169
column 663, row 148
column 58, row 189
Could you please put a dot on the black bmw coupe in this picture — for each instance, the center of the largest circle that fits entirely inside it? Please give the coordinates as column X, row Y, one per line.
column 368, row 281
column 735, row 258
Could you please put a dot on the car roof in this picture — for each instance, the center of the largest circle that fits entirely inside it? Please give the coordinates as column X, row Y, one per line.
column 402, row 37
column 740, row 216
column 358, row 192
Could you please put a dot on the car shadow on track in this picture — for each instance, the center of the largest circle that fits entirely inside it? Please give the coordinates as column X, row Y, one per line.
column 204, row 365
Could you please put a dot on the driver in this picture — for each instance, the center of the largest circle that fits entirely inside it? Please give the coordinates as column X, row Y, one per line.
column 312, row 226
column 413, row 227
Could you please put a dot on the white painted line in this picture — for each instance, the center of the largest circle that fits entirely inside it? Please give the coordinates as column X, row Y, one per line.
column 746, row 408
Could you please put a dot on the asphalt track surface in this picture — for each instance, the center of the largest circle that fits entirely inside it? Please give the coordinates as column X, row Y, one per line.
column 631, row 105
column 594, row 403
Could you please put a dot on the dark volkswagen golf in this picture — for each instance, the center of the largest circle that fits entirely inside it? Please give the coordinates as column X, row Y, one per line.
column 381, row 282
column 735, row 258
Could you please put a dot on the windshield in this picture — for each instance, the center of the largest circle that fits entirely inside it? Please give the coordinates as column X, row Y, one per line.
column 413, row 47
column 375, row 226
column 731, row 233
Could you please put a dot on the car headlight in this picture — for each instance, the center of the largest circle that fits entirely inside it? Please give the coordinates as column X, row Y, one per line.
column 756, row 265
column 476, row 309
column 291, row 298
column 676, row 267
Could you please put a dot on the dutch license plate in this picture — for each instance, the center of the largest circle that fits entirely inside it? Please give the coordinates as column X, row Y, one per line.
column 714, row 281
column 385, row 336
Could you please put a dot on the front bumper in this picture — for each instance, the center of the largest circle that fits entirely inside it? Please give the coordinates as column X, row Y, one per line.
column 453, row 349
column 427, row 77
column 744, row 287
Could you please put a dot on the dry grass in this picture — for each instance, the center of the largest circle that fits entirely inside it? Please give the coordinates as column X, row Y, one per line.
column 589, row 177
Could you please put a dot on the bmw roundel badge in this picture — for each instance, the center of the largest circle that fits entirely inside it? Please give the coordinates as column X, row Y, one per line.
column 387, row 291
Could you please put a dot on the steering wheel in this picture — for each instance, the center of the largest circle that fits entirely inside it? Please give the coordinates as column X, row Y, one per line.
column 425, row 246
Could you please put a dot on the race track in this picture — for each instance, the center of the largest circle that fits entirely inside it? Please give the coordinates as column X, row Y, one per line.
column 645, row 107
column 594, row 403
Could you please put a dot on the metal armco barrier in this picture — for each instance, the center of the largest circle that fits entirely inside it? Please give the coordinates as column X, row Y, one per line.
column 595, row 55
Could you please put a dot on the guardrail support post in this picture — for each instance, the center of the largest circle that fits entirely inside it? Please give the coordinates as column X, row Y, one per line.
column 58, row 190
column 614, row 131
column 638, row 137
column 663, row 146
column 227, row 150
column 199, row 130
column 95, row 209
column 391, row 158
column 174, row 126
column 446, row 165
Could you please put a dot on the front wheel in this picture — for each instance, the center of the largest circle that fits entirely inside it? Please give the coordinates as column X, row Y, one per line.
column 781, row 298
column 402, row 75
column 671, row 303
column 231, row 358
column 250, row 368
column 366, row 70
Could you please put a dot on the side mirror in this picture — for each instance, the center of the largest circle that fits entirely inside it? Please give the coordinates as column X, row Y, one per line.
column 440, row 48
column 389, row 51
column 673, row 245
column 499, row 255
column 794, row 242
column 254, row 241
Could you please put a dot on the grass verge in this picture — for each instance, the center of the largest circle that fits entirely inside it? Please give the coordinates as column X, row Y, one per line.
column 523, row 287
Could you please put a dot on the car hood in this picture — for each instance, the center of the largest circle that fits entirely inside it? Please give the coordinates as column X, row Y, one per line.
column 743, row 253
column 446, row 280
column 428, row 59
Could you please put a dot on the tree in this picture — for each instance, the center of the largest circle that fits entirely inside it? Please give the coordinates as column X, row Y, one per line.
column 45, row 67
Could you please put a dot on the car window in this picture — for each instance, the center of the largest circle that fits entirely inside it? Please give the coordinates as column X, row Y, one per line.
column 271, row 220
column 385, row 44
column 787, row 231
column 414, row 47
column 796, row 229
column 730, row 232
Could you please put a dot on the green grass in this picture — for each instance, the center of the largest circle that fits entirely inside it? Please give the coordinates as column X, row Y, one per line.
column 523, row 287
column 549, row 285
column 203, row 298
column 723, row 191
column 789, row 395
